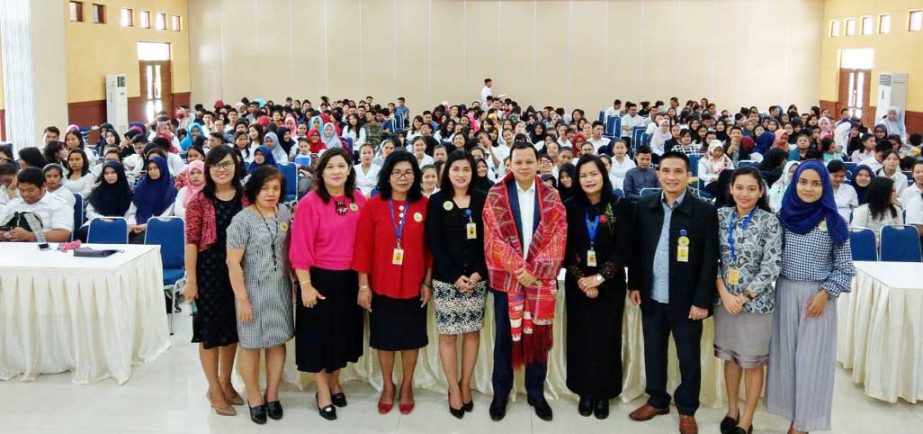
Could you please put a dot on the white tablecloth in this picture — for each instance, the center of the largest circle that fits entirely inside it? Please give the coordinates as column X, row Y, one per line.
column 429, row 374
column 880, row 330
column 92, row 316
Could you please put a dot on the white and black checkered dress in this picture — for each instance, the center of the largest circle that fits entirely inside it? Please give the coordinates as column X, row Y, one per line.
column 266, row 276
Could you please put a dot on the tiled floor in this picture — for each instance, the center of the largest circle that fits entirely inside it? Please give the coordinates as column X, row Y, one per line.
column 168, row 396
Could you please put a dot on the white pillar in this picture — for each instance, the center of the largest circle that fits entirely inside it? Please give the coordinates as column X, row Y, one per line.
column 34, row 68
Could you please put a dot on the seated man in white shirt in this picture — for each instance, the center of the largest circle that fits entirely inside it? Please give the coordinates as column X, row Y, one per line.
column 876, row 162
column 615, row 110
column 631, row 120
column 915, row 189
column 35, row 211
column 597, row 138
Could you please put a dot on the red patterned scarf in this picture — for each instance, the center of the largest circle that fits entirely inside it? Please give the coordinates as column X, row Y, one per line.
column 531, row 308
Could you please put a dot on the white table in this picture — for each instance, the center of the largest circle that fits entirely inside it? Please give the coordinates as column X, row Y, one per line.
column 880, row 330
column 92, row 316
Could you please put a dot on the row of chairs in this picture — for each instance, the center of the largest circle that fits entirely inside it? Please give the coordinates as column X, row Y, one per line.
column 899, row 243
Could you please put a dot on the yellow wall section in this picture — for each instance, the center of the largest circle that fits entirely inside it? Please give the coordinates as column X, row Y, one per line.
column 898, row 51
column 94, row 50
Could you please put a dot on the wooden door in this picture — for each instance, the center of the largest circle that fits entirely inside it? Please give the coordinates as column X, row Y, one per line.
column 156, row 87
column 854, row 94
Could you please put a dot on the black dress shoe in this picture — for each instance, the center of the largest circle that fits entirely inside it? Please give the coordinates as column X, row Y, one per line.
column 469, row 406
column 601, row 408
column 585, row 406
column 274, row 410
column 339, row 399
column 258, row 414
column 498, row 408
column 728, row 424
column 542, row 409
column 457, row 412
column 328, row 412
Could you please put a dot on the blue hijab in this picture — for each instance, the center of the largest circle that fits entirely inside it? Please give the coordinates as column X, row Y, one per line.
column 153, row 197
column 267, row 155
column 764, row 142
column 801, row 218
column 187, row 141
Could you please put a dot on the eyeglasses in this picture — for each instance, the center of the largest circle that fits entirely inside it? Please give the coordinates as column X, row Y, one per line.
column 226, row 165
column 341, row 207
column 405, row 174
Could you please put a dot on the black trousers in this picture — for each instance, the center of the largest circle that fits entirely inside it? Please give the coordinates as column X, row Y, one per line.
column 657, row 326
column 502, row 377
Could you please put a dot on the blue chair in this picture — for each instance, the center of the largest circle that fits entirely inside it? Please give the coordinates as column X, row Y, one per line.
column 900, row 243
column 78, row 215
column 290, row 172
column 602, row 116
column 618, row 192
column 851, row 168
column 862, row 244
column 303, row 160
column 694, row 163
column 108, row 230
column 637, row 137
column 400, row 122
column 169, row 234
column 909, row 175
column 746, row 163
column 614, row 127
column 649, row 192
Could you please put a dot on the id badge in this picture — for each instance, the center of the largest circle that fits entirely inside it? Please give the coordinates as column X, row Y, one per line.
column 591, row 258
column 472, row 231
column 397, row 257
column 682, row 254
column 733, row 276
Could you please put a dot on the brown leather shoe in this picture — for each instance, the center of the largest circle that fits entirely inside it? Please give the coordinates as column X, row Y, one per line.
column 647, row 412
column 687, row 424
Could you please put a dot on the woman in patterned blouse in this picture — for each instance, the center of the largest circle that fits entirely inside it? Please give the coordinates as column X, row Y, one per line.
column 816, row 268
column 750, row 240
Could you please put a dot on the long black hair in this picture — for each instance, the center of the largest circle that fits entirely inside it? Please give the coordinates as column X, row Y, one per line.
column 384, row 175
column 579, row 194
column 325, row 158
column 761, row 203
column 32, row 156
column 86, row 161
column 458, row 155
column 879, row 197
column 212, row 158
column 51, row 152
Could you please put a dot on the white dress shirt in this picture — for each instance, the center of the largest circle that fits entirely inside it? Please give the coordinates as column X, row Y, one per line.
column 846, row 200
column 915, row 211
column 485, row 92
column 526, row 214
column 619, row 170
column 907, row 195
column 366, row 181
column 629, row 123
column 51, row 210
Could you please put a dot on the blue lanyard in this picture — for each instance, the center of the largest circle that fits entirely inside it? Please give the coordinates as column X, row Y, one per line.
column 591, row 226
column 744, row 225
column 468, row 215
column 398, row 230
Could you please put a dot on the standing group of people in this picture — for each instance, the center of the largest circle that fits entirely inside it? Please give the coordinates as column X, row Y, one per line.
column 392, row 254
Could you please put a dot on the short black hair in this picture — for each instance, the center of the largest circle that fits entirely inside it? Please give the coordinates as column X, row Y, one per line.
column 674, row 154
column 523, row 145
column 31, row 175
column 836, row 166
column 258, row 178
column 880, row 146
column 384, row 175
column 457, row 155
column 643, row 149
column 7, row 169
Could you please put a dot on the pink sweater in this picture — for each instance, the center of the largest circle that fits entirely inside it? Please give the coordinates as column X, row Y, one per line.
column 322, row 238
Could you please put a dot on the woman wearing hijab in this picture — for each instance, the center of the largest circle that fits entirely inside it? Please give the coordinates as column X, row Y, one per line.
column 771, row 166
column 861, row 181
column 195, row 130
column 112, row 197
column 330, row 137
column 153, row 197
column 567, row 181
column 894, row 122
column 537, row 136
column 194, row 183
column 271, row 142
column 660, row 137
column 764, row 142
column 816, row 268
column 316, row 143
column 262, row 156
column 711, row 165
column 777, row 191
column 285, row 139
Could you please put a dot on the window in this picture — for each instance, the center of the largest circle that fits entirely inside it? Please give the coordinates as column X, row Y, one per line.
column 98, row 13
column 76, row 9
column 145, row 18
column 850, row 27
column 834, row 28
column 868, row 26
column 176, row 23
column 153, row 51
column 126, row 19
column 916, row 21
column 884, row 23
column 161, row 21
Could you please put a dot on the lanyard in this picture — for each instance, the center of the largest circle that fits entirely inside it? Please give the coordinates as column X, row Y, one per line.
column 272, row 236
column 468, row 215
column 744, row 225
column 398, row 230
column 591, row 226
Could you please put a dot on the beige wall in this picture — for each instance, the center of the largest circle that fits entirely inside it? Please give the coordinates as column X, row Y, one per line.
column 571, row 53
column 94, row 50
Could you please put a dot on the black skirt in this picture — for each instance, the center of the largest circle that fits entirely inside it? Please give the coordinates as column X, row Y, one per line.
column 397, row 324
column 329, row 335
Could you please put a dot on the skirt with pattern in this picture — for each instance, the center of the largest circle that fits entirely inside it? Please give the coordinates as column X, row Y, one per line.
column 459, row 312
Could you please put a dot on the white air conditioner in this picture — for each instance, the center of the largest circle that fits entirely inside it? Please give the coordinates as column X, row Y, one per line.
column 117, row 102
column 892, row 91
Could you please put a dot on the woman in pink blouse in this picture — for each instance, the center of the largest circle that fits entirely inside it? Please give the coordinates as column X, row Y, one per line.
column 328, row 323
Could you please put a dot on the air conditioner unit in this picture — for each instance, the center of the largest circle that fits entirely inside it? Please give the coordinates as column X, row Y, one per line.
column 117, row 102
column 892, row 91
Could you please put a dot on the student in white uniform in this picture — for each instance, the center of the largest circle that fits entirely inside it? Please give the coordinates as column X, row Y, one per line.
column 54, row 184
column 366, row 172
column 915, row 189
column 844, row 193
column 36, row 208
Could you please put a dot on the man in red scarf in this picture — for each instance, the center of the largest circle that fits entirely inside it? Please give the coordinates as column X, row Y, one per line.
column 525, row 232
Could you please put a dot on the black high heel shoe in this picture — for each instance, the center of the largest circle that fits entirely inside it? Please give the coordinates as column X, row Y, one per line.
column 468, row 406
column 329, row 412
column 457, row 412
column 258, row 414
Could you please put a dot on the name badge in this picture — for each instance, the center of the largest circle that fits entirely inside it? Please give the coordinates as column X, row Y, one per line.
column 397, row 256
column 591, row 258
column 733, row 276
column 682, row 249
column 472, row 231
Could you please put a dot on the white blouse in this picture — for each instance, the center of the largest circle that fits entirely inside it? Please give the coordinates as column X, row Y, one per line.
column 367, row 181
column 82, row 186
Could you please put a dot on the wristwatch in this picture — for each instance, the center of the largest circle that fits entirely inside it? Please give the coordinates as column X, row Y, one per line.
column 599, row 278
